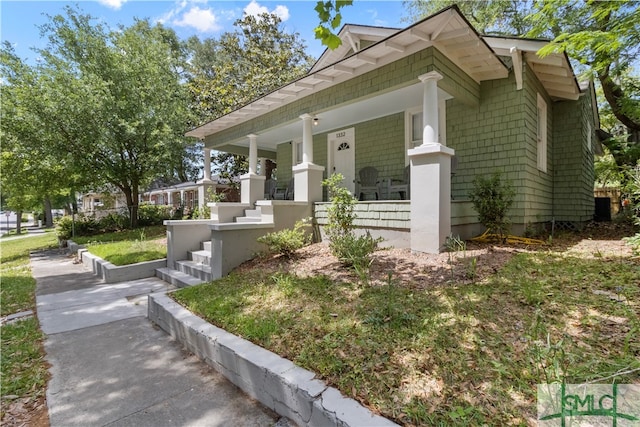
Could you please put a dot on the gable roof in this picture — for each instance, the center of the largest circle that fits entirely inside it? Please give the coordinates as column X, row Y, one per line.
column 448, row 31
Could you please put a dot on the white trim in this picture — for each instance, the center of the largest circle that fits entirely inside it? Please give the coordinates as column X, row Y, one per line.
column 541, row 133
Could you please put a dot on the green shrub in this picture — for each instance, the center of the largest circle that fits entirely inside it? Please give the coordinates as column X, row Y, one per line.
column 352, row 251
column 153, row 214
column 115, row 222
column 633, row 188
column 492, row 198
column 84, row 226
column 340, row 215
column 286, row 242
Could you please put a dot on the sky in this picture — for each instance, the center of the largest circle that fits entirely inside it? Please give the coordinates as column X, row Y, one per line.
column 19, row 20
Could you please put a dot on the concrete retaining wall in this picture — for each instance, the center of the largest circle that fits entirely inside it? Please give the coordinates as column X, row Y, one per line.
column 119, row 273
column 276, row 382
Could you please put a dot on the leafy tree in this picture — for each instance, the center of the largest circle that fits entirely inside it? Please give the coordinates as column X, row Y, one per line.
column 505, row 17
column 330, row 19
column 254, row 59
column 33, row 174
column 112, row 99
column 602, row 35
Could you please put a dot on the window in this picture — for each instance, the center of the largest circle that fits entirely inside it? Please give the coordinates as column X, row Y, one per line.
column 541, row 134
column 296, row 154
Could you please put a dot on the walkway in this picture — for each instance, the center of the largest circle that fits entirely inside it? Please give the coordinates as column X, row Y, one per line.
column 111, row 367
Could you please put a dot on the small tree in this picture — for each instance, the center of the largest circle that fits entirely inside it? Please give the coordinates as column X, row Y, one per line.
column 353, row 251
column 492, row 198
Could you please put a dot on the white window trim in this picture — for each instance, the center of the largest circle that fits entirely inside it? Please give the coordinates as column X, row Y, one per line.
column 541, row 133
column 296, row 151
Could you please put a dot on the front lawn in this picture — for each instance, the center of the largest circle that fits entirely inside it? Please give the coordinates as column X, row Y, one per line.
column 129, row 247
column 24, row 370
column 462, row 349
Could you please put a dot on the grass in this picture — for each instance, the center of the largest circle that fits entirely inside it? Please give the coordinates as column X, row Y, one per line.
column 24, row 372
column 462, row 354
column 153, row 232
column 128, row 247
column 17, row 287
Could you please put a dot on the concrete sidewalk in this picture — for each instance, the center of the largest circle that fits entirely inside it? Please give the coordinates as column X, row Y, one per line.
column 110, row 366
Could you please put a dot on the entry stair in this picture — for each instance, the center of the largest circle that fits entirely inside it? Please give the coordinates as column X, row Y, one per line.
column 197, row 269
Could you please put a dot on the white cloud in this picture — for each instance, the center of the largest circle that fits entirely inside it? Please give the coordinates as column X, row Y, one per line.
column 113, row 4
column 254, row 8
column 203, row 20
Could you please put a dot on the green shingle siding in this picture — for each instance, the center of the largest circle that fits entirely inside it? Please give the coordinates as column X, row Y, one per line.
column 395, row 75
column 573, row 160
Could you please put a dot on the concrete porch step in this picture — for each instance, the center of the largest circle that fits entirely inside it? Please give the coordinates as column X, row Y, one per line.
column 248, row 219
column 206, row 246
column 253, row 213
column 202, row 257
column 195, row 269
column 177, row 278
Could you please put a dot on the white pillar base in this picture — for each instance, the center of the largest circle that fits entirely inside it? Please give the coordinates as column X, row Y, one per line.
column 308, row 182
column 251, row 188
column 430, row 197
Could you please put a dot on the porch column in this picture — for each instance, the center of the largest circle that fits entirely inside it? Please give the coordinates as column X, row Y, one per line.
column 207, row 164
column 430, row 178
column 252, row 184
column 182, row 197
column 307, row 175
column 169, row 198
column 430, row 107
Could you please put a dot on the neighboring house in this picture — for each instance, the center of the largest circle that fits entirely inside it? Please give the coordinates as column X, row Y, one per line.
column 436, row 97
column 189, row 195
column 100, row 204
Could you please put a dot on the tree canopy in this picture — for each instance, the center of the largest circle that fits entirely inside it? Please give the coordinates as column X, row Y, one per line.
column 257, row 57
column 109, row 99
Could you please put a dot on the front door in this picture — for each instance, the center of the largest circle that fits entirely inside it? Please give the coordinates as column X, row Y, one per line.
column 342, row 156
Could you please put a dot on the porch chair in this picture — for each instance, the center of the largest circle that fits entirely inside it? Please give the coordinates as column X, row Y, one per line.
column 284, row 193
column 270, row 186
column 401, row 186
column 369, row 182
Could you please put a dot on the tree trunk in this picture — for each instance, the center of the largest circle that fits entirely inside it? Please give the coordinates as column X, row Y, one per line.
column 131, row 206
column 48, row 217
column 19, row 222
column 614, row 95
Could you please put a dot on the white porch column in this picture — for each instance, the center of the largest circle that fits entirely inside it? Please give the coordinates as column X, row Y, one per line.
column 170, row 198
column 307, row 175
column 430, row 178
column 430, row 107
column 207, row 164
column 307, row 138
column 182, row 197
column 252, row 184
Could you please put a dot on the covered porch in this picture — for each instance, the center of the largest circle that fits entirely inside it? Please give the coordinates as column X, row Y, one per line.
column 379, row 105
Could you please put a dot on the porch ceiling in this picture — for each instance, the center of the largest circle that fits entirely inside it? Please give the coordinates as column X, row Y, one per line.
column 341, row 117
column 448, row 31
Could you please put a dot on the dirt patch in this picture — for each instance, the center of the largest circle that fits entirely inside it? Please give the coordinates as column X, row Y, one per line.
column 419, row 270
column 25, row 412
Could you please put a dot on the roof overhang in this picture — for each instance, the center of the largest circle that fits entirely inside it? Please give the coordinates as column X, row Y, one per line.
column 448, row 31
column 554, row 70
